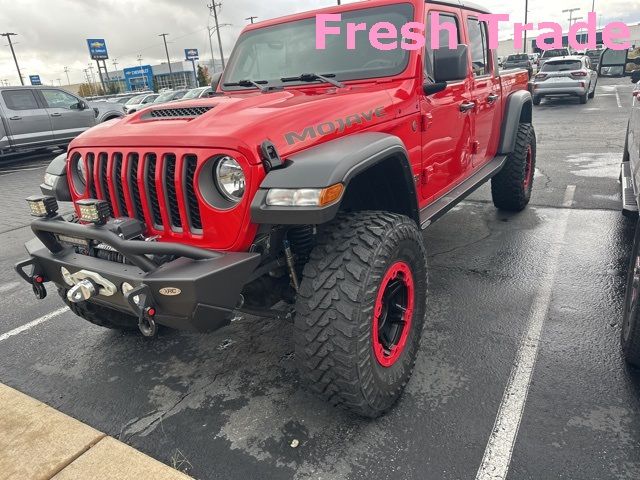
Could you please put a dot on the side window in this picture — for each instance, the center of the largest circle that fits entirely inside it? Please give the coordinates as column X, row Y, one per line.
column 480, row 53
column 444, row 18
column 20, row 99
column 59, row 99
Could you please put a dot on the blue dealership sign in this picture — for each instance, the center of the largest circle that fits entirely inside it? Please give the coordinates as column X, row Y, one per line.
column 97, row 48
column 139, row 78
column 35, row 80
column 191, row 53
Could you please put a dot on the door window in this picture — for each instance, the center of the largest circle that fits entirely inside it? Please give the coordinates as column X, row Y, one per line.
column 59, row 99
column 445, row 18
column 20, row 99
column 480, row 52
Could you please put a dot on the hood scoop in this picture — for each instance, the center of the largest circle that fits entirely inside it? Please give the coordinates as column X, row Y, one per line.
column 174, row 112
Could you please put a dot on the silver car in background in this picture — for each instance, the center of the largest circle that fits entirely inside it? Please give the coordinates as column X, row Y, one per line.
column 565, row 76
column 40, row 117
column 139, row 102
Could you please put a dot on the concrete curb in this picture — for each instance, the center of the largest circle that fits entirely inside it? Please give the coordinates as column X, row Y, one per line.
column 38, row 442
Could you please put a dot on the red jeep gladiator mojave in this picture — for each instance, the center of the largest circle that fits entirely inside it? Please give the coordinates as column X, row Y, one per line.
column 299, row 191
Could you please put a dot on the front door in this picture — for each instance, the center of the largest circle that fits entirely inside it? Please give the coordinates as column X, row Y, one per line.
column 446, row 124
column 486, row 93
column 27, row 122
column 67, row 118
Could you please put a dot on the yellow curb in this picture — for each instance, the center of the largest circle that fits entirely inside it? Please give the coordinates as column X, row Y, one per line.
column 38, row 442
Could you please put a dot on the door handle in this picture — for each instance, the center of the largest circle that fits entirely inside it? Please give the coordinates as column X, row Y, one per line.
column 56, row 114
column 492, row 98
column 15, row 118
column 467, row 106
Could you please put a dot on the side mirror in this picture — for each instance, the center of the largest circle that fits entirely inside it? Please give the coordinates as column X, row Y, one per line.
column 635, row 76
column 215, row 81
column 431, row 88
column 450, row 65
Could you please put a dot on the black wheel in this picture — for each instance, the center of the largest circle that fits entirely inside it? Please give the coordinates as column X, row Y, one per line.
column 511, row 187
column 593, row 94
column 103, row 317
column 360, row 311
column 584, row 98
column 536, row 100
column 630, row 335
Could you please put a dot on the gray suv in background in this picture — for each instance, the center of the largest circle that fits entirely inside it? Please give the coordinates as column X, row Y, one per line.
column 38, row 117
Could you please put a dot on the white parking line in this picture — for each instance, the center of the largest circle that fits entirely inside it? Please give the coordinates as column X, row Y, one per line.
column 618, row 98
column 8, row 286
column 568, row 196
column 497, row 455
column 37, row 321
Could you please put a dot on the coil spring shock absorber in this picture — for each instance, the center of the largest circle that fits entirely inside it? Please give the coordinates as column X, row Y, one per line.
column 302, row 239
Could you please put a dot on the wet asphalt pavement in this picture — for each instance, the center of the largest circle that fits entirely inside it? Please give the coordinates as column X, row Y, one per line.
column 228, row 405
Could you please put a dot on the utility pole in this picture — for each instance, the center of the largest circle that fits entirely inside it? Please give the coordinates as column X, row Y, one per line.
column 140, row 60
column 166, row 49
column 251, row 19
column 8, row 35
column 211, row 30
column 115, row 63
column 526, row 17
column 66, row 71
column 570, row 12
column 59, row 82
column 213, row 8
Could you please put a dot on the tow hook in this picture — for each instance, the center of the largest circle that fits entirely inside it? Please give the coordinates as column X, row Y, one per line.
column 146, row 324
column 35, row 279
column 82, row 291
column 37, row 283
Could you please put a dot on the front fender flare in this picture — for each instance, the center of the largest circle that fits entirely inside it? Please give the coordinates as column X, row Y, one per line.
column 337, row 161
column 60, row 188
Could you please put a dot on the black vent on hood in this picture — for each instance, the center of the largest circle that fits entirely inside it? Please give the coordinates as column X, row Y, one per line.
column 177, row 112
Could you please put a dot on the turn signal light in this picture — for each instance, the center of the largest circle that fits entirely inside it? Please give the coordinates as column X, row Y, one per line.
column 304, row 197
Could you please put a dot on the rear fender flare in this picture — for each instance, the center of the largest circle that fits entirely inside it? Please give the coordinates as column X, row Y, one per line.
column 518, row 109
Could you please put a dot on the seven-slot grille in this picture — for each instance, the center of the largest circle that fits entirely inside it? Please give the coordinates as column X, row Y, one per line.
column 157, row 189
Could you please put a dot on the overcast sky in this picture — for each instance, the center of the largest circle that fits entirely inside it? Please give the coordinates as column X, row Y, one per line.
column 52, row 33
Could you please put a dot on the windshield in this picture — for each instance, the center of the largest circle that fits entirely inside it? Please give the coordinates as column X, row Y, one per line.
column 562, row 66
column 289, row 50
column 194, row 93
column 560, row 52
column 179, row 94
column 518, row 58
column 135, row 100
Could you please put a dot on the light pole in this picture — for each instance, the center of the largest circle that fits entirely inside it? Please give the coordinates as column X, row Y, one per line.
column 8, row 35
column 66, row 71
column 166, row 49
column 213, row 8
column 526, row 17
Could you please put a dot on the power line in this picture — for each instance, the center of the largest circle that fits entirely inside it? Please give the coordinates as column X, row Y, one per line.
column 8, row 35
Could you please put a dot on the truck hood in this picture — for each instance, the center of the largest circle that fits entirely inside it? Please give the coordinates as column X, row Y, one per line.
column 292, row 119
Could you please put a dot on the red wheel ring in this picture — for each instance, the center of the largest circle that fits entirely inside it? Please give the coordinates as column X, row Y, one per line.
column 392, row 314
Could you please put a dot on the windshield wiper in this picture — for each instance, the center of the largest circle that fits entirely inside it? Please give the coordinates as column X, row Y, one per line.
column 249, row 83
column 312, row 77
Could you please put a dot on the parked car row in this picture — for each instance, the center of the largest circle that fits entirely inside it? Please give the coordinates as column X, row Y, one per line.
column 144, row 100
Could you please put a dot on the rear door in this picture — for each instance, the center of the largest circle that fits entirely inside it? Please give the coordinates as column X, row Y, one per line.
column 67, row 119
column 446, row 129
column 486, row 92
column 27, row 121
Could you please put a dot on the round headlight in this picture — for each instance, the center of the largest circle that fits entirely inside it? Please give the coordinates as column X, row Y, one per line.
column 230, row 179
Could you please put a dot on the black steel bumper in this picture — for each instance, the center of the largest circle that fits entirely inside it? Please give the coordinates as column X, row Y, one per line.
column 197, row 291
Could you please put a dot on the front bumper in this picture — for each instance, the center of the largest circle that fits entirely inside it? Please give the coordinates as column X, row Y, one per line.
column 197, row 291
